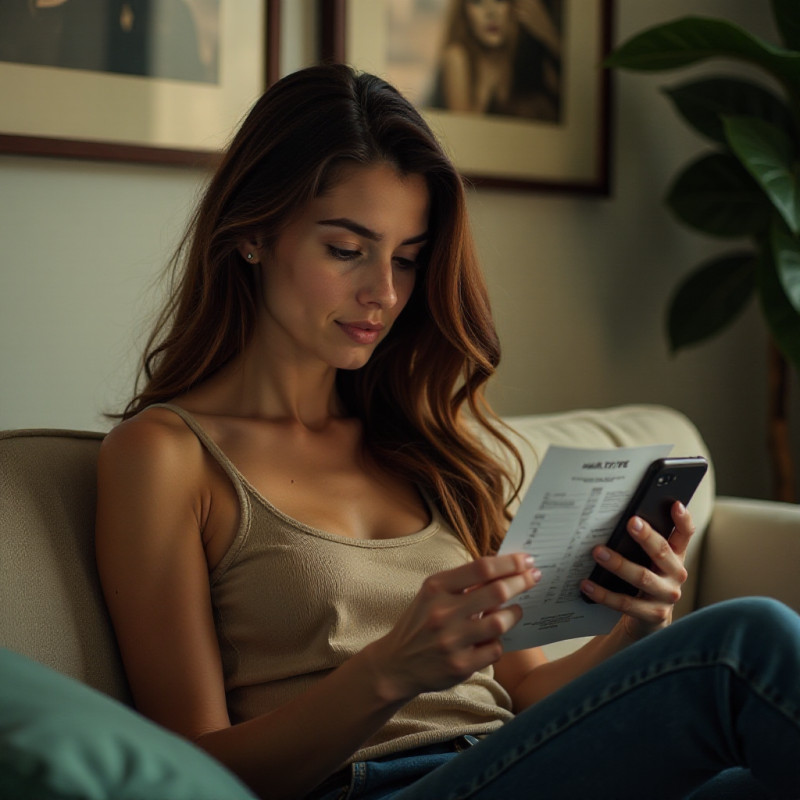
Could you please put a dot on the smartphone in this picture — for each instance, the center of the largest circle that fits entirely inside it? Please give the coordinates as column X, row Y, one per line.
column 666, row 481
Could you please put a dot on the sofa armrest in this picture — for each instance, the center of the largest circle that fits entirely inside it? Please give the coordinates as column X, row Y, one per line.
column 751, row 547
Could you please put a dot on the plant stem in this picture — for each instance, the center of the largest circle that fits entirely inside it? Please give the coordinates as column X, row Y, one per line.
column 778, row 425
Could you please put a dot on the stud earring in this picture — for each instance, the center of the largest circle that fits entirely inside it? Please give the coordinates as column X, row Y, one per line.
column 250, row 256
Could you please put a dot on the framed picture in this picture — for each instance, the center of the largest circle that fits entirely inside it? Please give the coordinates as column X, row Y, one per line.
column 130, row 80
column 515, row 89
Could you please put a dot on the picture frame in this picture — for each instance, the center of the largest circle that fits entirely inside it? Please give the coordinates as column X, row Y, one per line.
column 569, row 153
column 105, row 115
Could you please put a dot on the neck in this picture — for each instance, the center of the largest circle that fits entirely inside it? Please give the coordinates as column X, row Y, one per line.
column 260, row 387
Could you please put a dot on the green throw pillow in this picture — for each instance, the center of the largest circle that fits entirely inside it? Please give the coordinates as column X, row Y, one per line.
column 60, row 739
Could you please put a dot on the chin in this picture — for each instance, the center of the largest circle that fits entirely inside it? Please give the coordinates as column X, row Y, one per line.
column 353, row 364
column 351, row 361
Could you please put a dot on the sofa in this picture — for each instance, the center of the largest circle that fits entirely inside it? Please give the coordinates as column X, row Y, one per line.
column 66, row 726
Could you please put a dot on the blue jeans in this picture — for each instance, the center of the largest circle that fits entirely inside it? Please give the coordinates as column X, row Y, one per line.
column 707, row 709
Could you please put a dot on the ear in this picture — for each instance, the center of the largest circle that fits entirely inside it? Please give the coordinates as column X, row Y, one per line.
column 248, row 250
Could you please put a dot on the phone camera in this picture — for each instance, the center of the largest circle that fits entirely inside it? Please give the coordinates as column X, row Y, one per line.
column 665, row 479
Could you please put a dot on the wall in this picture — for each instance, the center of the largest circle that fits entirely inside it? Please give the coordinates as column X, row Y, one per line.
column 579, row 285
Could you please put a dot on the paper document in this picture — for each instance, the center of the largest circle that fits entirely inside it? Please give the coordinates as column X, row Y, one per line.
column 572, row 505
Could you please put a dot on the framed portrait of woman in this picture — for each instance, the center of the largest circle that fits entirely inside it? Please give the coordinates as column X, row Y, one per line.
column 131, row 80
column 516, row 89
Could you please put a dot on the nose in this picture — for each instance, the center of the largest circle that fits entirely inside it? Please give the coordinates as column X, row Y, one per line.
column 378, row 286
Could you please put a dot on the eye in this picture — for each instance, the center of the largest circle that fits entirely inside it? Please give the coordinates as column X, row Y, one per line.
column 406, row 263
column 343, row 253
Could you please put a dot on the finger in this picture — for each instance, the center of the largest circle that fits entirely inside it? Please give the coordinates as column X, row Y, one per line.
column 647, row 609
column 484, row 654
column 494, row 624
column 497, row 593
column 664, row 560
column 662, row 582
column 479, row 632
column 477, row 572
column 460, row 642
column 684, row 529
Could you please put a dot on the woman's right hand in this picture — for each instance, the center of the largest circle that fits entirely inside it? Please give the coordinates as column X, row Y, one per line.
column 452, row 628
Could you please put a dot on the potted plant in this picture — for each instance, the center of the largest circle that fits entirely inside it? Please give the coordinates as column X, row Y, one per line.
column 746, row 186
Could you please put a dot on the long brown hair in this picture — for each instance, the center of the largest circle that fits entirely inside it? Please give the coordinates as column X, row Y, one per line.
column 435, row 361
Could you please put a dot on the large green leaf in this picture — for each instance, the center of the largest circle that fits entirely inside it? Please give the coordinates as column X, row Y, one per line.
column 786, row 257
column 769, row 156
column 787, row 18
column 704, row 102
column 779, row 313
column 710, row 298
column 716, row 195
column 692, row 39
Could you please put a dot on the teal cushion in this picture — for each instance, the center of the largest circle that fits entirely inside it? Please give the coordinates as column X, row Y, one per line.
column 61, row 739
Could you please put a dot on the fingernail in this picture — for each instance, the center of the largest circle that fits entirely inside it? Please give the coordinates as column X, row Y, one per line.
column 636, row 525
column 681, row 508
column 601, row 554
column 537, row 575
column 587, row 587
column 529, row 561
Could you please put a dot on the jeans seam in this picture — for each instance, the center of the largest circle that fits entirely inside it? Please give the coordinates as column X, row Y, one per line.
column 792, row 714
column 635, row 682
column 357, row 780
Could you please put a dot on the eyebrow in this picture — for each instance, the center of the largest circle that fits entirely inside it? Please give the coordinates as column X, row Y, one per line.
column 361, row 230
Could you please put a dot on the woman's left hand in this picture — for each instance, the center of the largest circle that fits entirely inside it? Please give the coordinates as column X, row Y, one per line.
column 659, row 584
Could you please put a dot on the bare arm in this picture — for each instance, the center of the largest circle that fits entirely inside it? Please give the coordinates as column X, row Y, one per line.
column 151, row 510
column 456, row 88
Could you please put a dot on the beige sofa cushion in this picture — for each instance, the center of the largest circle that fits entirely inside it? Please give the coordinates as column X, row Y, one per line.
column 49, row 591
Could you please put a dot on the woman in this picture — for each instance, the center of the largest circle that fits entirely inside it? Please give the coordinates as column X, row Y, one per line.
column 500, row 57
column 296, row 527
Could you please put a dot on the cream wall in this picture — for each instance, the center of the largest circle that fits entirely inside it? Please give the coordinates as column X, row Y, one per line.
column 579, row 285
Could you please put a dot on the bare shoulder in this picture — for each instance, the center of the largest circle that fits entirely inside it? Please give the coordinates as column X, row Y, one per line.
column 152, row 490
column 455, row 56
column 151, row 469
column 152, row 441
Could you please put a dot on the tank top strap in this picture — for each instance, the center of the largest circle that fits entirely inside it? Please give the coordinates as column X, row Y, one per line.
column 231, row 471
column 204, row 438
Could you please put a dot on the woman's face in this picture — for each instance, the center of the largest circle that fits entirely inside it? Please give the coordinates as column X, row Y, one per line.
column 489, row 21
column 342, row 271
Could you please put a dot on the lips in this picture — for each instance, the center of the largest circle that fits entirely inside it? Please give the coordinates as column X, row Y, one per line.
column 362, row 332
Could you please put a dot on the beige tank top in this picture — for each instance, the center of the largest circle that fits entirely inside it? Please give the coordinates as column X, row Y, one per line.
column 292, row 603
